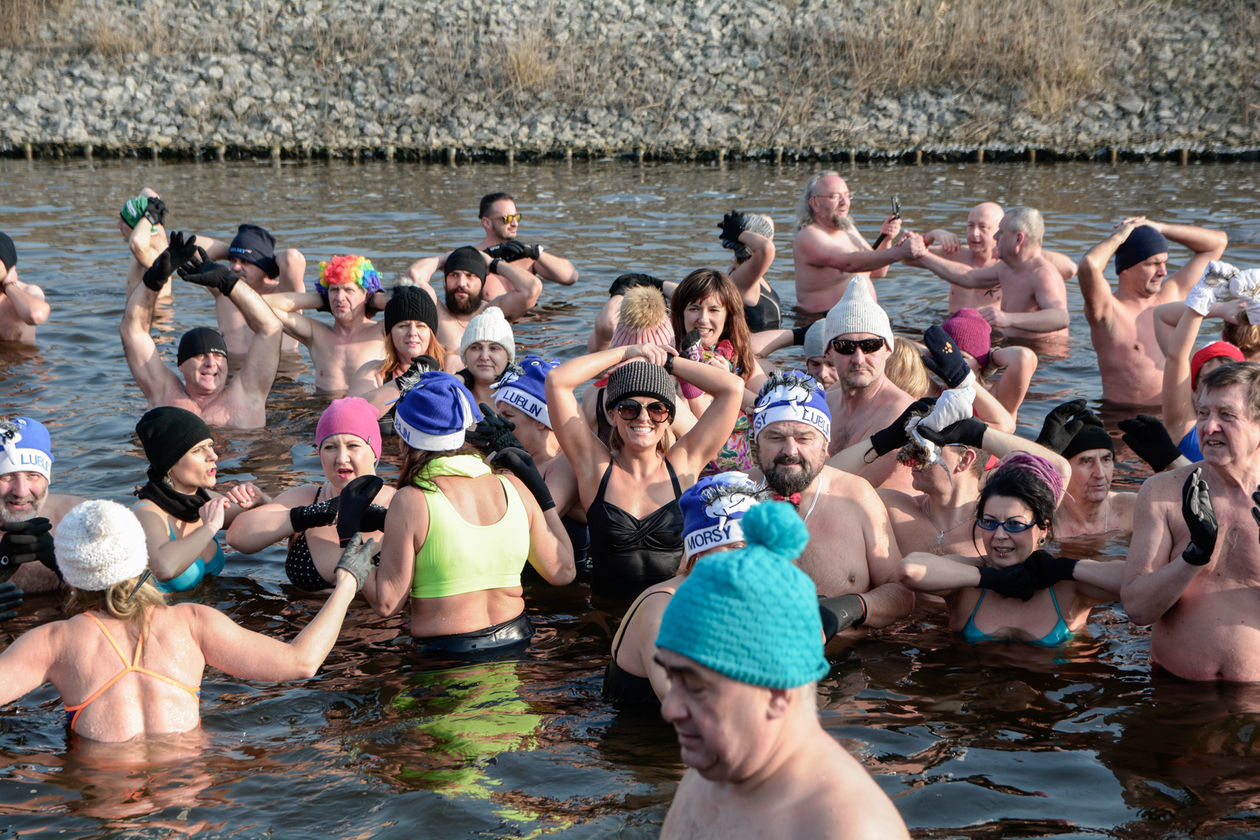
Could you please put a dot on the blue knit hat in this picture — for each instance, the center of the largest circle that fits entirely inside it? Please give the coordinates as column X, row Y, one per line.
column 523, row 386
column 750, row 614
column 712, row 509
column 434, row 414
column 792, row 395
column 25, row 446
column 1143, row 243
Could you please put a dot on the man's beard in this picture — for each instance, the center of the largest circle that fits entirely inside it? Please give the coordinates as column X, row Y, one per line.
column 787, row 482
column 844, row 223
column 468, row 307
column 9, row 516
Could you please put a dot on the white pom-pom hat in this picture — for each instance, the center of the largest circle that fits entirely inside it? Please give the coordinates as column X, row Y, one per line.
column 98, row 544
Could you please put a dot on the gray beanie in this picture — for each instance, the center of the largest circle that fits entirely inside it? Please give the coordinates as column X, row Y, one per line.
column 640, row 379
column 757, row 224
column 857, row 312
column 815, row 343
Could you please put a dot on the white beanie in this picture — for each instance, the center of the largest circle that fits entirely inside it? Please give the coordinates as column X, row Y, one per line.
column 489, row 325
column 98, row 544
column 857, row 312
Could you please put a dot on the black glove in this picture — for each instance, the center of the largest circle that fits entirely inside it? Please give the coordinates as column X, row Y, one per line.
column 10, row 600
column 181, row 249
column 1010, row 582
column 494, row 433
column 513, row 250
column 313, row 516
column 24, row 542
column 356, row 558
column 1196, row 510
column 732, row 225
column 1147, row 437
column 692, row 347
column 798, row 336
column 629, row 281
column 1063, row 422
column 407, row 380
column 969, row 432
column 841, row 613
column 520, row 464
column 1047, row 570
column 894, row 436
column 373, row 519
column 156, row 211
column 205, row 272
column 353, row 503
column 950, row 363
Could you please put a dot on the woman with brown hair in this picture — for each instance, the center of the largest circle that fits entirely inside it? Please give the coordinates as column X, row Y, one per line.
column 410, row 330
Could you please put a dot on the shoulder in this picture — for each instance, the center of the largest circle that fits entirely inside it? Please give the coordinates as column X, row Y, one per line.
column 896, row 501
column 1164, row 487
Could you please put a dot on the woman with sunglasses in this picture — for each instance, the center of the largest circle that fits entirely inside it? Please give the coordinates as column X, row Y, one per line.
column 1016, row 591
column 630, row 487
column 708, row 319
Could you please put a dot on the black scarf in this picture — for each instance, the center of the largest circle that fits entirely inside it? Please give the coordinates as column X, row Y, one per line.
column 179, row 505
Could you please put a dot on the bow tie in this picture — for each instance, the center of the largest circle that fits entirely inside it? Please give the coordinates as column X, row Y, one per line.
column 795, row 498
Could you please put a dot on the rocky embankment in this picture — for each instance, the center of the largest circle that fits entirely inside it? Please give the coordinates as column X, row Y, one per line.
column 688, row 78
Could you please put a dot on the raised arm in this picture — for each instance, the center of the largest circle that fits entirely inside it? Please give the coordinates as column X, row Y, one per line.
column 422, row 270
column 958, row 273
column 554, row 268
column 747, row 275
column 586, row 453
column 286, row 307
column 926, row 572
column 524, row 292
column 1207, row 245
column 169, row 558
column 258, row 372
column 818, row 250
column 27, row 299
column 1090, row 271
column 147, row 368
column 702, row 443
column 1177, row 397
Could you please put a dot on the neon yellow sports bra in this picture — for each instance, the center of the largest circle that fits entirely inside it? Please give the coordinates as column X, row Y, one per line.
column 459, row 557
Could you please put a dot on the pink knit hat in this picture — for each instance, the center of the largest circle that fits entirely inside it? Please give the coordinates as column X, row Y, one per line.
column 971, row 333
column 350, row 416
column 644, row 319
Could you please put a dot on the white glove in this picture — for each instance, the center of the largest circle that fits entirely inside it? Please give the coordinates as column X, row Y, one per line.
column 951, row 406
column 1245, row 284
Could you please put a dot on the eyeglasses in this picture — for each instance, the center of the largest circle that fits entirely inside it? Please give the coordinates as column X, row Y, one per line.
column 658, row 412
column 1010, row 526
column 847, row 346
column 507, row 220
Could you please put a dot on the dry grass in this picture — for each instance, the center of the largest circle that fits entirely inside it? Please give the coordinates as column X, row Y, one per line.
column 20, row 19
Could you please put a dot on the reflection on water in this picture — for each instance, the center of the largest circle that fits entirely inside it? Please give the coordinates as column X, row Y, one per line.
column 987, row 741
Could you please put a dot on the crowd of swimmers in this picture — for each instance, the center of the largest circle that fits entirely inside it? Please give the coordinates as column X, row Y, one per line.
column 686, row 468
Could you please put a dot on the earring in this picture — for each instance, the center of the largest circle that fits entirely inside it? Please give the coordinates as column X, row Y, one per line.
column 1041, row 541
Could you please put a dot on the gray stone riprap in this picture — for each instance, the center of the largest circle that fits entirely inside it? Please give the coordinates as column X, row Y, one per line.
column 570, row 76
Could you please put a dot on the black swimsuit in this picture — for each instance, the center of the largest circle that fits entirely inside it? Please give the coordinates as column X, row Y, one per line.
column 622, row 688
column 767, row 314
column 629, row 554
column 300, row 566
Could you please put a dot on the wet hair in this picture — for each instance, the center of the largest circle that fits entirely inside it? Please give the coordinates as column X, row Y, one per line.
column 114, row 601
column 391, row 361
column 805, row 213
column 1026, row 220
column 905, row 369
column 415, row 460
column 488, row 200
column 1244, row 335
column 1246, row 374
column 697, row 286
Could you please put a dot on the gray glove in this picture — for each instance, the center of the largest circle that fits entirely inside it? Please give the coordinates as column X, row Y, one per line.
column 357, row 559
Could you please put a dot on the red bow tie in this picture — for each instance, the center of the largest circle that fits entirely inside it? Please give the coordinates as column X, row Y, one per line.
column 795, row 498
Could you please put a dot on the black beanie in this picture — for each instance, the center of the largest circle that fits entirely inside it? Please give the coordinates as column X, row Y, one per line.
column 199, row 341
column 167, row 434
column 257, row 246
column 8, row 252
column 640, row 379
column 1089, row 437
column 410, row 303
column 467, row 259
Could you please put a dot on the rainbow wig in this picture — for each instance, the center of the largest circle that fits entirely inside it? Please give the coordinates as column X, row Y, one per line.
column 349, row 268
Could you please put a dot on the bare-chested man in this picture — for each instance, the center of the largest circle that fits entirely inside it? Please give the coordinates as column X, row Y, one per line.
column 1034, row 297
column 350, row 288
column 1090, row 506
column 22, row 305
column 741, row 647
column 981, row 252
column 864, row 400
column 1194, row 561
column 1122, row 325
column 25, row 473
column 828, row 250
column 851, row 548
column 202, row 356
column 253, row 257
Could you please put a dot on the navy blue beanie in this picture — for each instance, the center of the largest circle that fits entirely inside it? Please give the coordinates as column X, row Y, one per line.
column 257, row 246
column 1143, row 243
column 8, row 253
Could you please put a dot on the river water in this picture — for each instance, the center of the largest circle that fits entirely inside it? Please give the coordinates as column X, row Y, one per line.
column 969, row 741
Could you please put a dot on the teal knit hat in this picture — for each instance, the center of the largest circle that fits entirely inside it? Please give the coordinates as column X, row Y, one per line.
column 750, row 614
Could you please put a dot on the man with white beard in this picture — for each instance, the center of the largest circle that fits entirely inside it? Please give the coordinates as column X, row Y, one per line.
column 27, row 509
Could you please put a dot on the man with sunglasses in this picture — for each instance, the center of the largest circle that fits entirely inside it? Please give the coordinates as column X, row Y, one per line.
column 864, row 400
column 829, row 251
column 852, row 555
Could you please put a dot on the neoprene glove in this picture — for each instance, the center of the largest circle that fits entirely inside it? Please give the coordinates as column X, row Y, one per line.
column 356, row 558
column 205, row 272
column 1063, row 422
column 10, row 600
column 894, row 436
column 798, row 336
column 181, row 249
column 949, row 360
column 1196, row 510
column 841, row 613
column 513, row 250
column 629, row 281
column 692, row 347
column 1009, row 582
column 969, row 432
column 521, row 464
column 373, row 519
column 353, row 503
column 494, row 432
column 313, row 516
column 25, row 542
column 155, row 212
column 1147, row 437
column 1047, row 570
column 732, row 225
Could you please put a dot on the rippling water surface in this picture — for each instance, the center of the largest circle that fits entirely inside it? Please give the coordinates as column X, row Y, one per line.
column 984, row 741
